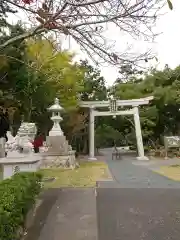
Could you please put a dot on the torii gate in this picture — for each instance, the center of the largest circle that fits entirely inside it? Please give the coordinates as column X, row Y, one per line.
column 113, row 105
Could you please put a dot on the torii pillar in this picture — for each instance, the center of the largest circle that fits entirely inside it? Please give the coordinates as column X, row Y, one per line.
column 139, row 139
column 91, row 135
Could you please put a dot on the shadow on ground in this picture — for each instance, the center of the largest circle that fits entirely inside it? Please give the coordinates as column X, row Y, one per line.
column 49, row 197
column 67, row 214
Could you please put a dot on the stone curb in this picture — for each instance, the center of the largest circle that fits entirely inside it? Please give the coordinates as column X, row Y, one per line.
column 30, row 216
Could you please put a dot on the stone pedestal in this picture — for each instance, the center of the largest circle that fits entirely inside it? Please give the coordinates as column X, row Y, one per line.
column 59, row 153
column 11, row 165
column 57, row 145
column 66, row 161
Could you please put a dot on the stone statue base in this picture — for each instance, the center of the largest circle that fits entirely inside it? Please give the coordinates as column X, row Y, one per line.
column 57, row 145
column 20, row 163
column 67, row 162
column 59, row 153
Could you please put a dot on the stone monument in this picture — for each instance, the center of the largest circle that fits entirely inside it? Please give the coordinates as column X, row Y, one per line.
column 59, row 153
column 20, row 152
column 171, row 142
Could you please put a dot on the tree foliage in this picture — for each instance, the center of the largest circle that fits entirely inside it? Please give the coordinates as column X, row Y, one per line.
column 106, row 136
column 94, row 84
column 33, row 73
column 162, row 116
column 93, row 89
column 64, row 77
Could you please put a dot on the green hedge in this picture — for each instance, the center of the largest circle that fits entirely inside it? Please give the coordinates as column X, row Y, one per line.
column 17, row 196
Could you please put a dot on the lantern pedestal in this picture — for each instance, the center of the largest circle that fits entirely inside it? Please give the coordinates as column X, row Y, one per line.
column 57, row 145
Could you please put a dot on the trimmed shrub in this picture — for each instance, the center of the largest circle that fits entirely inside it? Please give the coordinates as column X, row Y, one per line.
column 17, row 196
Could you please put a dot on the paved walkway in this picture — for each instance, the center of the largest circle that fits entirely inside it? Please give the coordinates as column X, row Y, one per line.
column 67, row 214
column 138, row 204
column 138, row 214
column 156, row 164
column 127, row 173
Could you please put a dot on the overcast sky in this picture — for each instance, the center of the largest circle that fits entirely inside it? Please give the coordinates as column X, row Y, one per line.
column 167, row 46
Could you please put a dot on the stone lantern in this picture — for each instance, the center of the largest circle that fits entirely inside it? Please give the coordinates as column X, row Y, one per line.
column 59, row 153
column 56, row 118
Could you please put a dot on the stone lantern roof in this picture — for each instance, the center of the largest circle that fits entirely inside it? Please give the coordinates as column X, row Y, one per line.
column 56, row 107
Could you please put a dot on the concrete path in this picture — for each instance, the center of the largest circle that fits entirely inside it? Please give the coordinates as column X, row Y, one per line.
column 138, row 204
column 65, row 214
column 129, row 173
column 156, row 164
column 138, row 214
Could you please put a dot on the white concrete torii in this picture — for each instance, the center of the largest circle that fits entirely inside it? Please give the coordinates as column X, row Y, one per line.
column 134, row 104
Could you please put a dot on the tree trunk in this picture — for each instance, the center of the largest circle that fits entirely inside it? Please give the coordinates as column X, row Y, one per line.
column 28, row 114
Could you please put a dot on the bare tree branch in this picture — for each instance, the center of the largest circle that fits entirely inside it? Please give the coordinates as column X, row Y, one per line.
column 22, row 37
column 83, row 4
column 87, row 22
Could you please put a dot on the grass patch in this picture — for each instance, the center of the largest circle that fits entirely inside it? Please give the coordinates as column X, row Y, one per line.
column 172, row 172
column 84, row 176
